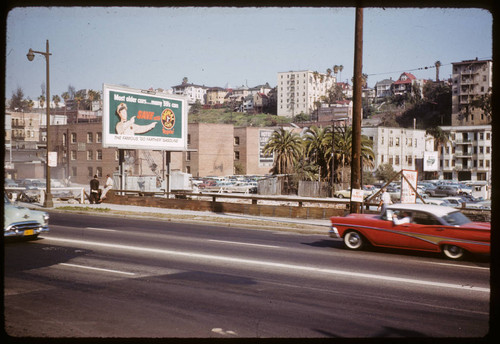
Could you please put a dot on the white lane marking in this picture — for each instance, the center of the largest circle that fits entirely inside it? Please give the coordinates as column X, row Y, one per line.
column 460, row 266
column 273, row 264
column 101, row 229
column 97, row 269
column 243, row 243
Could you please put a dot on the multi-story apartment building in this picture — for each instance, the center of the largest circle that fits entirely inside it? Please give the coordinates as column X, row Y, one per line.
column 400, row 147
column 467, row 155
column 248, row 145
column 192, row 91
column 471, row 79
column 299, row 91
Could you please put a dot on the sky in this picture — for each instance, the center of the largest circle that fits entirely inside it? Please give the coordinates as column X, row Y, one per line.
column 142, row 47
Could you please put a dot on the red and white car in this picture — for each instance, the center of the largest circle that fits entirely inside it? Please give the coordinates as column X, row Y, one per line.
column 430, row 228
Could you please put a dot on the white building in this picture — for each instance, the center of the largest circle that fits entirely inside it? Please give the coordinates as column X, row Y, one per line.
column 400, row 147
column 299, row 90
column 192, row 91
column 467, row 155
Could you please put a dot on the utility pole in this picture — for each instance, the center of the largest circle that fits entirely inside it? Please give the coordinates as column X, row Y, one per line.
column 356, row 115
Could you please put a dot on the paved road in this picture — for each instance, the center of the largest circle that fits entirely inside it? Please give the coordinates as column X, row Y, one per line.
column 95, row 276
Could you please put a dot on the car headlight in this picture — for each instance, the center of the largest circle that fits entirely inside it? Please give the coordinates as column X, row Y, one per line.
column 45, row 219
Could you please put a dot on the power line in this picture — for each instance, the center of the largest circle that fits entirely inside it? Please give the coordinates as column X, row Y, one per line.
column 422, row 68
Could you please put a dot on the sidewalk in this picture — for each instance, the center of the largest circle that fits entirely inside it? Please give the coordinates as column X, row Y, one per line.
column 305, row 226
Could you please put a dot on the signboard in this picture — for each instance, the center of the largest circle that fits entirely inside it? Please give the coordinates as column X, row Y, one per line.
column 407, row 193
column 140, row 119
column 431, row 161
column 357, row 195
column 265, row 160
column 52, row 159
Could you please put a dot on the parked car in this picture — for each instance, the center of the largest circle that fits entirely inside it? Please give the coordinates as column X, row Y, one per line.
column 480, row 205
column 442, row 191
column 438, row 201
column 431, row 228
column 455, row 200
column 347, row 193
column 23, row 222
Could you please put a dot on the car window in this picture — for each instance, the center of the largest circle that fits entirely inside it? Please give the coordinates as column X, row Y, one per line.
column 456, row 218
column 424, row 219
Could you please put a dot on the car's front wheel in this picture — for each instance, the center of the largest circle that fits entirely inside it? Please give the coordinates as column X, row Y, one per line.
column 453, row 252
column 353, row 240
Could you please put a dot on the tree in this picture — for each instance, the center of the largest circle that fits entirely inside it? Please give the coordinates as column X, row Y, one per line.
column 437, row 64
column 287, row 149
column 316, row 144
column 17, row 100
column 385, row 172
column 56, row 99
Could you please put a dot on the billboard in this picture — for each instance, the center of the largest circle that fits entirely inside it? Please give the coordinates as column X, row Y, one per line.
column 265, row 160
column 431, row 161
column 140, row 119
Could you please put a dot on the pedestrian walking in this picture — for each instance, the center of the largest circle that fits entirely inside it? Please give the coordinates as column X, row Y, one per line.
column 94, row 190
column 385, row 200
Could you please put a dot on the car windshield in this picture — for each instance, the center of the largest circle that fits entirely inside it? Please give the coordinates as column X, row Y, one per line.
column 456, row 218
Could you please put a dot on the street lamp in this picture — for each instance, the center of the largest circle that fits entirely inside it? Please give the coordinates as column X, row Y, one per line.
column 48, row 203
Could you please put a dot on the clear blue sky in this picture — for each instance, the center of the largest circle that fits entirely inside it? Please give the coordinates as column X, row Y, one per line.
column 157, row 47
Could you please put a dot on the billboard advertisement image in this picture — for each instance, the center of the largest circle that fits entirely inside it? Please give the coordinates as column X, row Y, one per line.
column 140, row 119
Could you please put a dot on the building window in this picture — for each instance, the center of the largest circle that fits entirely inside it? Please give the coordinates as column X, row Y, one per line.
column 236, row 155
column 189, row 139
column 73, row 155
column 188, row 156
column 90, row 138
column 99, row 155
column 89, row 172
column 236, row 140
column 90, row 155
column 73, row 171
column 98, row 137
column 64, row 138
column 98, row 171
column 73, row 137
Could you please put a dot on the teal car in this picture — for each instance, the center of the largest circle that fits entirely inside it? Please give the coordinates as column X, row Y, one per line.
column 23, row 222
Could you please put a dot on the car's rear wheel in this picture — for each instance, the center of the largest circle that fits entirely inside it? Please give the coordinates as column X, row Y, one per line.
column 453, row 252
column 340, row 196
column 353, row 240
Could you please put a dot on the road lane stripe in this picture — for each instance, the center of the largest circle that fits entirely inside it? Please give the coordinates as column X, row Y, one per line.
column 273, row 265
column 243, row 243
column 101, row 229
column 97, row 269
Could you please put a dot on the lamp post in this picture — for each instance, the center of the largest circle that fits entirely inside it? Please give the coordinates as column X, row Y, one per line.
column 48, row 203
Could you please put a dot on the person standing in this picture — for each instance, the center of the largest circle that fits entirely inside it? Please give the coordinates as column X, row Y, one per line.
column 107, row 186
column 385, row 200
column 94, row 190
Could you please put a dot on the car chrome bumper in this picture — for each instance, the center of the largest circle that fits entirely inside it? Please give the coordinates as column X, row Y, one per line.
column 334, row 233
column 25, row 232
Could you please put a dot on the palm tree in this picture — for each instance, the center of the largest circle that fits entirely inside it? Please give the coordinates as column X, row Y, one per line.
column 316, row 142
column 441, row 138
column 56, row 99
column 41, row 99
column 437, row 64
column 341, row 68
column 343, row 149
column 287, row 149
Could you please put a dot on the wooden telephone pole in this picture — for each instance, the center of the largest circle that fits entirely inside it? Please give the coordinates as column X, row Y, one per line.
column 356, row 116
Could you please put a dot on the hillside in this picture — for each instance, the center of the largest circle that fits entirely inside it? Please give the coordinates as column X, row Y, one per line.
column 238, row 119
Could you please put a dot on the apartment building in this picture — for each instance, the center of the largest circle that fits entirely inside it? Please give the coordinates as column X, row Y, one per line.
column 468, row 153
column 216, row 95
column 193, row 92
column 402, row 148
column 248, row 145
column 471, row 79
column 298, row 91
